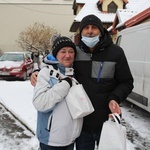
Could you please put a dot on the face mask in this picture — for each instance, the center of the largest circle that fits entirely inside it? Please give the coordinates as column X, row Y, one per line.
column 90, row 41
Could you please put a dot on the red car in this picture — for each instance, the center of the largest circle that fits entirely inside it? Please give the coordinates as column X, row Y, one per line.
column 15, row 65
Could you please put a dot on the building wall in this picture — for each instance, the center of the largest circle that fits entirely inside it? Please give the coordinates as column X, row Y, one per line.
column 15, row 18
column 38, row 1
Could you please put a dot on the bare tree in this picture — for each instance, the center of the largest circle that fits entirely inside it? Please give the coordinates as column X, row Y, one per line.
column 36, row 38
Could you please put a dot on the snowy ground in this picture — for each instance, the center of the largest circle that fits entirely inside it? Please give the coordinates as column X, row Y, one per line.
column 16, row 96
column 13, row 135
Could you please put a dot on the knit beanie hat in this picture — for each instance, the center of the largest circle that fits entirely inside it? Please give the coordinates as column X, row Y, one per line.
column 61, row 42
column 91, row 20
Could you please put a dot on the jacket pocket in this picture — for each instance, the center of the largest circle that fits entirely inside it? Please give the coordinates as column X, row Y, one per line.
column 105, row 70
column 48, row 128
column 44, row 124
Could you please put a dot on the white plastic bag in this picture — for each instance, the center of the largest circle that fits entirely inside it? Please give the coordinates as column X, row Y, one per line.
column 113, row 135
column 78, row 101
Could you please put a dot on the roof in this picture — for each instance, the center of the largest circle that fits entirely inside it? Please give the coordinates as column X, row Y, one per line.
column 133, row 7
column 138, row 5
column 138, row 18
column 124, row 14
column 82, row 1
column 91, row 8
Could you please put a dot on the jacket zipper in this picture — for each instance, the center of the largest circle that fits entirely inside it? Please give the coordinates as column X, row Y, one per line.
column 92, row 127
column 99, row 72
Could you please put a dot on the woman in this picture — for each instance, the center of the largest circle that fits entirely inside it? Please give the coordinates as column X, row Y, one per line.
column 56, row 130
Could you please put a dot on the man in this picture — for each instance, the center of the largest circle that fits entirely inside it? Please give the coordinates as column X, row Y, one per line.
column 102, row 68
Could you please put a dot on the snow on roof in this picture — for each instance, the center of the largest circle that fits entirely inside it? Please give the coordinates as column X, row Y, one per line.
column 132, row 8
column 91, row 8
column 110, row 28
column 138, row 5
column 82, row 1
column 125, row 14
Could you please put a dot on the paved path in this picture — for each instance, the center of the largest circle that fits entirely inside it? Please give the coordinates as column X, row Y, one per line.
column 13, row 134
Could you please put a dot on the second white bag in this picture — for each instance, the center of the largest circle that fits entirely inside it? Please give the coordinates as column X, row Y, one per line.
column 78, row 102
column 113, row 135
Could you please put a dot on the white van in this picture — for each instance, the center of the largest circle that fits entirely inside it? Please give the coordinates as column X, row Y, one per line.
column 136, row 44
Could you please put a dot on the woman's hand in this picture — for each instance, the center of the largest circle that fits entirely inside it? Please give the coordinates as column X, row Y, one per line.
column 33, row 78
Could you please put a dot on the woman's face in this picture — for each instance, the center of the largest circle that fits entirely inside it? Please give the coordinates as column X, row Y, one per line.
column 66, row 56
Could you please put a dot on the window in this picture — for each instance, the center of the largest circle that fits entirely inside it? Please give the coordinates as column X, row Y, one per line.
column 118, row 41
column 112, row 7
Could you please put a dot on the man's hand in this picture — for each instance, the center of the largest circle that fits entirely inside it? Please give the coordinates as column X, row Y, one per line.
column 33, row 78
column 114, row 107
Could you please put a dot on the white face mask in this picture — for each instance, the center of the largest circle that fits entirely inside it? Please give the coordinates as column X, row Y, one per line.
column 90, row 41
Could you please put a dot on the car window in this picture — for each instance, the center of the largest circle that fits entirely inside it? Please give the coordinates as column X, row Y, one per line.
column 12, row 57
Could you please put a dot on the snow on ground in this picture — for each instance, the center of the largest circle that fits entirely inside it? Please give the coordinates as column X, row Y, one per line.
column 16, row 96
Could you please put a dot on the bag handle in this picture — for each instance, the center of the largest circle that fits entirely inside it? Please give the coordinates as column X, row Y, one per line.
column 73, row 79
column 116, row 118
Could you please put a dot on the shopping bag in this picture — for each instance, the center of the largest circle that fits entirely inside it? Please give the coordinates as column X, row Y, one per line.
column 78, row 101
column 113, row 135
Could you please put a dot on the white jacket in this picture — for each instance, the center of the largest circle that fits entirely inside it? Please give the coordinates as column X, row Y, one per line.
column 55, row 126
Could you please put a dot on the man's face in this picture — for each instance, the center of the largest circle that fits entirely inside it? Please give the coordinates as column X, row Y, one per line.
column 90, row 31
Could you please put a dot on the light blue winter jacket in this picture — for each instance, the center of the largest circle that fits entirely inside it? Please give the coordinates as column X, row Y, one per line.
column 55, row 126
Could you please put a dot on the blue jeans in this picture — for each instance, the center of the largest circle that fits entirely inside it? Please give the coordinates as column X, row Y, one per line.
column 86, row 141
column 47, row 147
